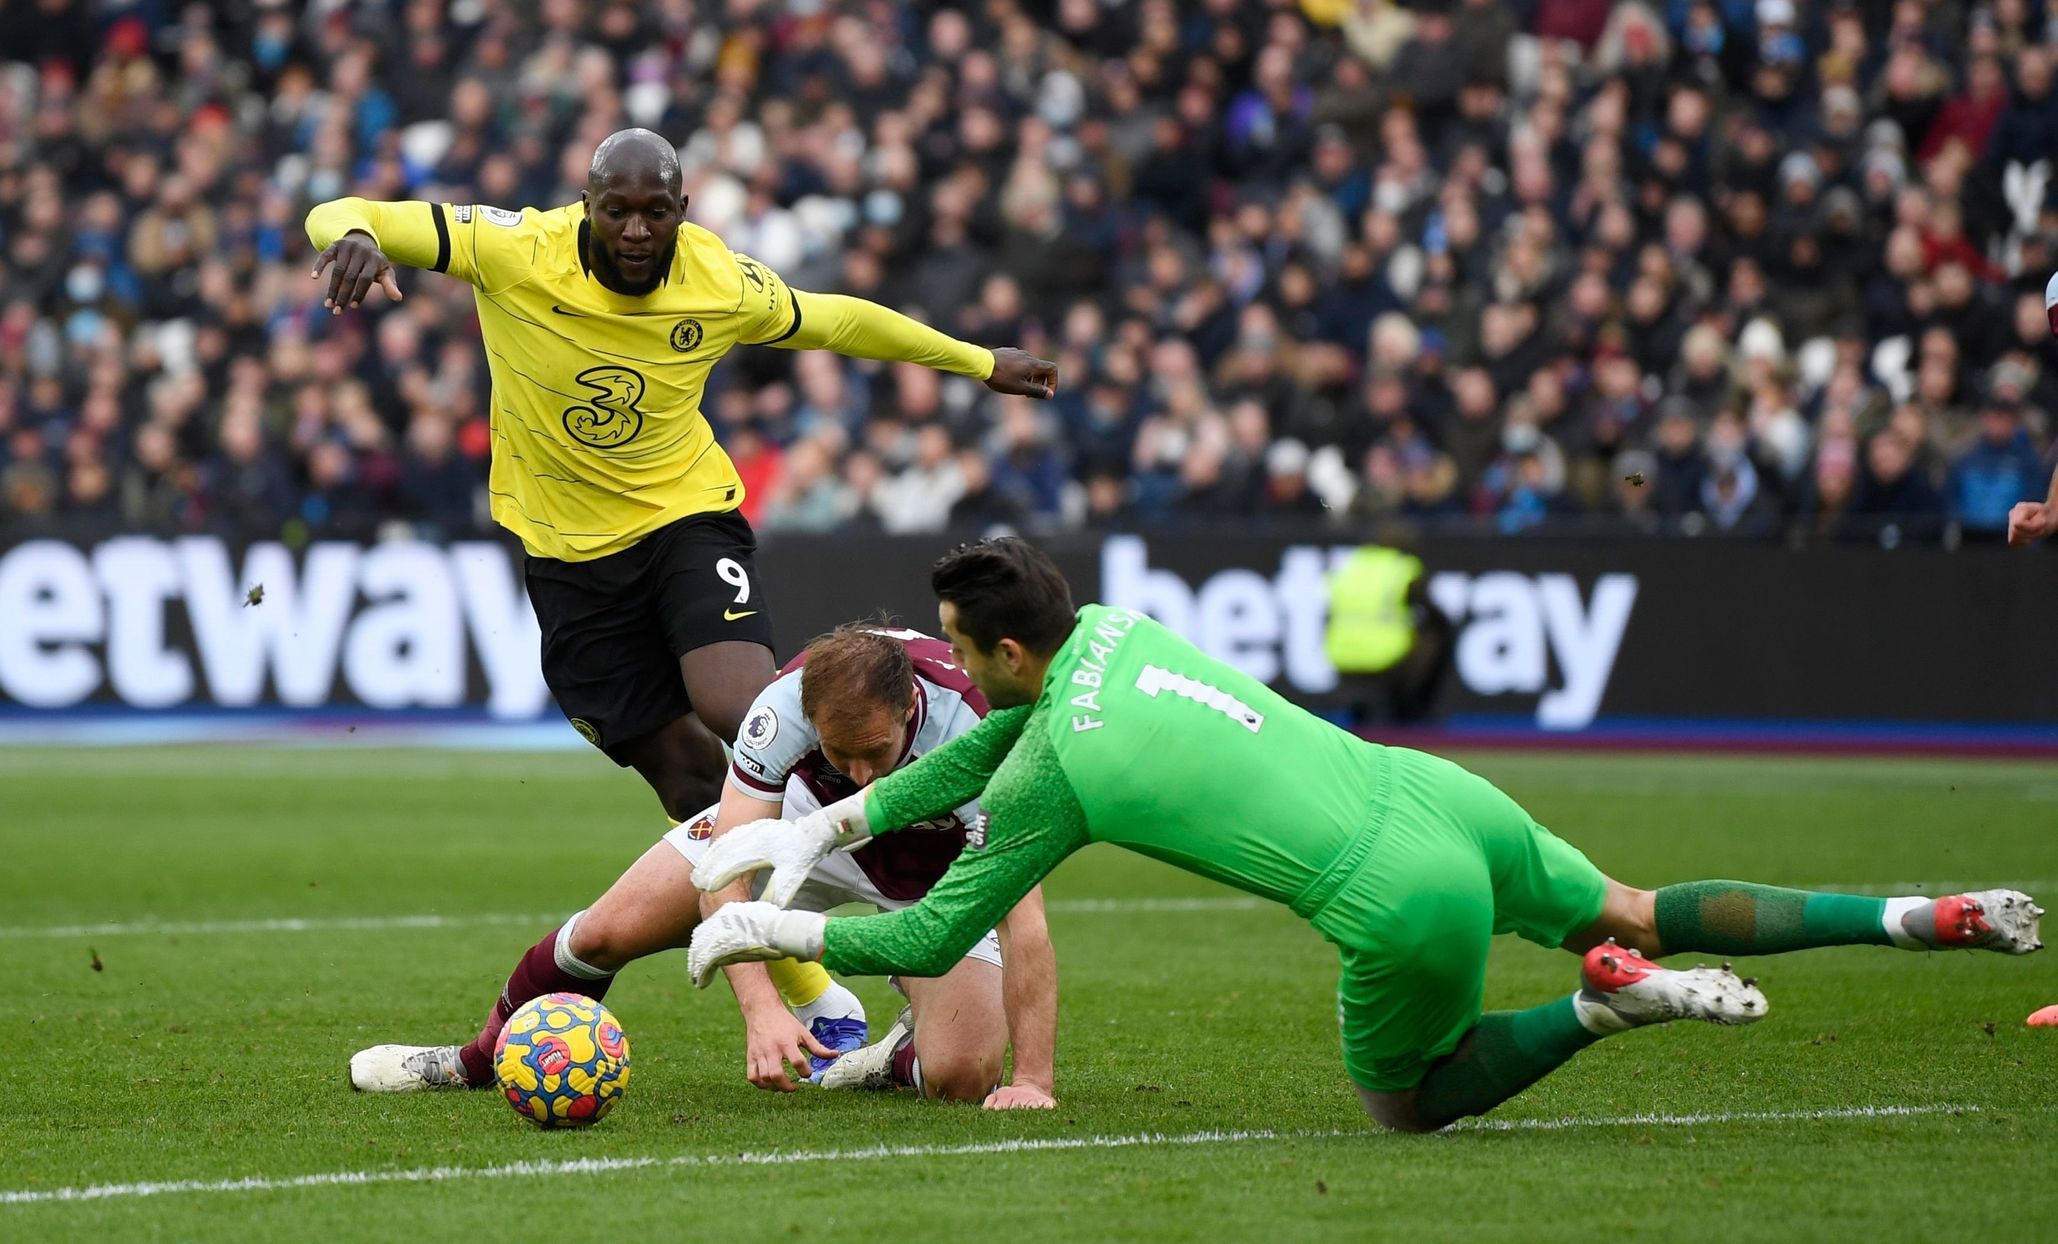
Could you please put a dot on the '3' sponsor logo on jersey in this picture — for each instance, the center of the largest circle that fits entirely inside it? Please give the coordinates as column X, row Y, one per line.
column 613, row 419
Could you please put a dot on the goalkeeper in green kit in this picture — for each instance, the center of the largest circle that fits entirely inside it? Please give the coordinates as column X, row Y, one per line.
column 1109, row 728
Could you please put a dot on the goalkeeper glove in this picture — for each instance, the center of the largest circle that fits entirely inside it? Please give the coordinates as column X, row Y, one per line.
column 791, row 849
column 751, row 932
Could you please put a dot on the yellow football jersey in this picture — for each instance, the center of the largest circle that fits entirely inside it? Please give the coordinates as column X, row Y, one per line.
column 598, row 436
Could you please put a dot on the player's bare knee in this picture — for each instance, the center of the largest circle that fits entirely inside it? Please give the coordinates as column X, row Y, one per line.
column 600, row 940
column 956, row 1074
column 593, row 943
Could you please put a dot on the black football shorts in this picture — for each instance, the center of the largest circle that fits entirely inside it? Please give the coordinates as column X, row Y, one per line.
column 615, row 627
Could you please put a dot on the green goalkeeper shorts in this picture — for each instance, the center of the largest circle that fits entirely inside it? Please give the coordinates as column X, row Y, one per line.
column 1455, row 863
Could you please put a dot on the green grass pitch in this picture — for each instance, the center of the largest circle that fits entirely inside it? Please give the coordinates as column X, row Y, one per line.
column 170, row 1023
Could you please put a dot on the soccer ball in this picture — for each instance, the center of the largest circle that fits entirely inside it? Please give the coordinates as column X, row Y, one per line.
column 562, row 1060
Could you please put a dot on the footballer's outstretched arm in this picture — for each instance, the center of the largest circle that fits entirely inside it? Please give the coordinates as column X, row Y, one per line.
column 773, row 1040
column 1029, row 995
column 861, row 329
column 753, row 987
column 361, row 239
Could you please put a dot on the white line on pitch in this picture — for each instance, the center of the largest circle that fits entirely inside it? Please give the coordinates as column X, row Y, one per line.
column 591, row 1166
column 313, row 924
column 326, row 924
column 1570, row 1122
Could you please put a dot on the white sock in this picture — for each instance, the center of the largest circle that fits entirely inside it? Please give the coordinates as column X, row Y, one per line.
column 835, row 1002
column 1891, row 918
column 569, row 963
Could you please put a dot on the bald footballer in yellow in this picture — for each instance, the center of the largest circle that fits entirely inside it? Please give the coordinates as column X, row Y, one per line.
column 598, row 435
column 600, row 321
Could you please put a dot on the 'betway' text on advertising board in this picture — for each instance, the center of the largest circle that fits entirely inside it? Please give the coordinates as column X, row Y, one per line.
column 1513, row 628
column 153, row 623
column 165, row 623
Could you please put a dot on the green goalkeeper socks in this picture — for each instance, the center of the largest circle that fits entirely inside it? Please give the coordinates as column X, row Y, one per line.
column 1506, row 1052
column 1739, row 918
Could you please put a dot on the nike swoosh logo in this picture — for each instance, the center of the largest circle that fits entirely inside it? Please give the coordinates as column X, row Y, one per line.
column 588, row 315
column 730, row 615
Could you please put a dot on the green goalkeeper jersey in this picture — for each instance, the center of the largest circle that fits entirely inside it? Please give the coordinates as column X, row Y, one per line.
column 1141, row 740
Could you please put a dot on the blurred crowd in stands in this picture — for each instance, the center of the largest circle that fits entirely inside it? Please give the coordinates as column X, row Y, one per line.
column 1752, row 268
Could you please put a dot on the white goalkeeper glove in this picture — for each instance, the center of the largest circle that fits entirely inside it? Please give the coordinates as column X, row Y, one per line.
column 751, row 932
column 791, row 849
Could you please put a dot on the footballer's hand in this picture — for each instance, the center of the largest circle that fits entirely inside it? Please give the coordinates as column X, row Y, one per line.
column 751, row 933
column 791, row 849
column 775, row 1043
column 358, row 266
column 1020, row 1097
column 1019, row 373
column 2031, row 521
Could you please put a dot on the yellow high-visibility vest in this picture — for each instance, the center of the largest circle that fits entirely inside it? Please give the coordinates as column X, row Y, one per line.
column 1370, row 625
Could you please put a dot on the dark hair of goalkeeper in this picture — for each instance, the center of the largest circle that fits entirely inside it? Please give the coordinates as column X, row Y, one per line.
column 1005, row 588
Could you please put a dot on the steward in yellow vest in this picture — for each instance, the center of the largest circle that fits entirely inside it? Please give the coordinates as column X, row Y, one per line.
column 1388, row 641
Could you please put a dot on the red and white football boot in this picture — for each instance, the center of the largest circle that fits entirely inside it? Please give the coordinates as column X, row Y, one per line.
column 2007, row 921
column 1622, row 989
